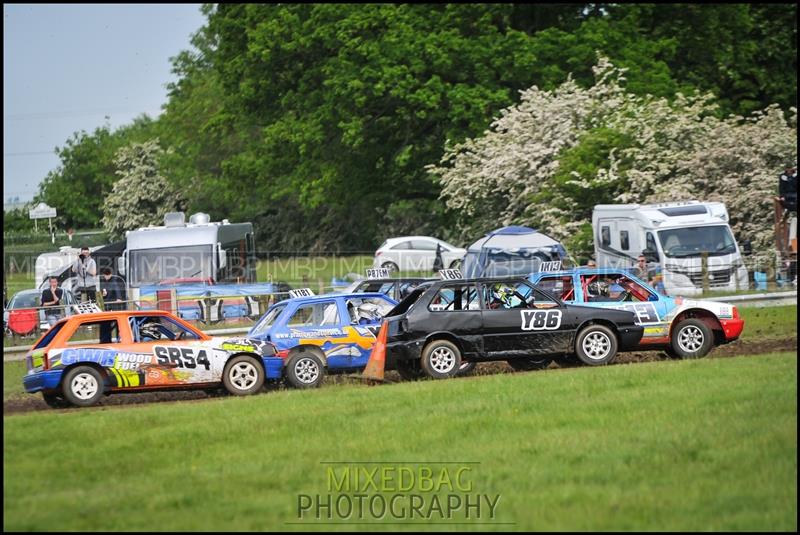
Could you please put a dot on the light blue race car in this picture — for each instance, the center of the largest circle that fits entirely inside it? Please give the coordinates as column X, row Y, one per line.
column 686, row 328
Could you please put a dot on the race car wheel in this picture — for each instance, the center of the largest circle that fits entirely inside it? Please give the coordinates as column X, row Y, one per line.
column 441, row 359
column 54, row 400
column 409, row 370
column 243, row 375
column 83, row 386
column 528, row 364
column 455, row 264
column 466, row 367
column 391, row 266
column 691, row 339
column 305, row 370
column 596, row 345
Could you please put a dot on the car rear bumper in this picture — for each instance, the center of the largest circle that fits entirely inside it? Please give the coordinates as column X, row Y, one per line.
column 404, row 350
column 43, row 380
column 732, row 328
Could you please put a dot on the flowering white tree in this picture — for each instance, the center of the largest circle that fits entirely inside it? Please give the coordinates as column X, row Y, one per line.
column 141, row 196
column 674, row 150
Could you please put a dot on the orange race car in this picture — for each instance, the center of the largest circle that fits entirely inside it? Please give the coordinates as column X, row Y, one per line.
column 86, row 356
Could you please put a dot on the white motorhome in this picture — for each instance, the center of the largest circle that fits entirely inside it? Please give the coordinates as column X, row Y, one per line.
column 674, row 237
column 197, row 251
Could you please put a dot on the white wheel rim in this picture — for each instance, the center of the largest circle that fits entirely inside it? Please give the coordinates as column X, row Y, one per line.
column 243, row 375
column 306, row 370
column 390, row 266
column 690, row 339
column 84, row 386
column 443, row 360
column 596, row 345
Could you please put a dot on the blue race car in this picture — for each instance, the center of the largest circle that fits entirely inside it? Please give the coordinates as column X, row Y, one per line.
column 333, row 332
column 686, row 328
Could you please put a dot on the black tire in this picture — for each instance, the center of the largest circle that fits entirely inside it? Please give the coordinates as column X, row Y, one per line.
column 455, row 264
column 304, row 369
column 391, row 266
column 54, row 401
column 441, row 359
column 409, row 370
column 466, row 368
column 529, row 363
column 243, row 375
column 691, row 339
column 83, row 386
column 596, row 345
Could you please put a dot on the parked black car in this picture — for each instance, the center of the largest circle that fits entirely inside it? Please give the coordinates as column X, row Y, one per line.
column 441, row 324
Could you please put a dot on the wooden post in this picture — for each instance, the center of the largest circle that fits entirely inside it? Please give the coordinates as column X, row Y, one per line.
column 704, row 270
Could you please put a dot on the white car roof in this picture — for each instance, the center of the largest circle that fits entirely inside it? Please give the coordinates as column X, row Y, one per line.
column 392, row 241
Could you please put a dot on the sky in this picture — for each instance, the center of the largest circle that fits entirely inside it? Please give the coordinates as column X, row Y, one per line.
column 67, row 67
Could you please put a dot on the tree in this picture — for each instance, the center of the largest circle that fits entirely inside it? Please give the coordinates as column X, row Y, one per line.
column 87, row 172
column 141, row 196
column 548, row 160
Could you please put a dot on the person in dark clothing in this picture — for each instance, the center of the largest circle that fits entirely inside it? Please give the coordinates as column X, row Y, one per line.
column 52, row 297
column 112, row 288
column 787, row 189
column 438, row 263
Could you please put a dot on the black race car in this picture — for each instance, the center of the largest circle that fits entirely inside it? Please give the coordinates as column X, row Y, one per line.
column 441, row 324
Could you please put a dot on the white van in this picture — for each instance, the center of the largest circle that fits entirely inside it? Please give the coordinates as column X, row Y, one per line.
column 673, row 236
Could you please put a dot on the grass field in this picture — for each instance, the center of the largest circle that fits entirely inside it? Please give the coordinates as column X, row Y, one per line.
column 676, row 445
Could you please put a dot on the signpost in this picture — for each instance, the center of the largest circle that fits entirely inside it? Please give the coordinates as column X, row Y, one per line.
column 42, row 211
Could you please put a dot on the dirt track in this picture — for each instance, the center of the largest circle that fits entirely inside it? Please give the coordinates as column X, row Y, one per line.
column 30, row 403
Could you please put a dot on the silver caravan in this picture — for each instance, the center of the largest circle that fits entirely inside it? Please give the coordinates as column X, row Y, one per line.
column 673, row 237
column 199, row 251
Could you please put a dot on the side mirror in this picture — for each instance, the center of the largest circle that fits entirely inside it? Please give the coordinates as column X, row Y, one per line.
column 746, row 247
column 121, row 265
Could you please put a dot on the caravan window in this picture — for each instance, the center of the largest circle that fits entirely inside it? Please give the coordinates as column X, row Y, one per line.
column 624, row 242
column 605, row 236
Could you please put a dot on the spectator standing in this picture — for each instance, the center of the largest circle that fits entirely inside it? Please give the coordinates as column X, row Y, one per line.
column 641, row 270
column 86, row 270
column 112, row 289
column 52, row 297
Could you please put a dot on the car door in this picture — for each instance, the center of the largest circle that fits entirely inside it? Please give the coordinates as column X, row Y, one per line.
column 178, row 354
column 519, row 321
column 424, row 254
column 453, row 308
column 323, row 324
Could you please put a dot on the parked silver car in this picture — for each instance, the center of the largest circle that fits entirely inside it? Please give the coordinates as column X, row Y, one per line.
column 416, row 253
column 31, row 299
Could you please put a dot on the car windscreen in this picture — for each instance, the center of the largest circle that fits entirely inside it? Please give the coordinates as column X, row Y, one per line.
column 693, row 241
column 267, row 320
column 26, row 300
column 151, row 266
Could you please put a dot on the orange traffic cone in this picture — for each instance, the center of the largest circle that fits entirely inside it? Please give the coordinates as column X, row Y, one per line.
column 377, row 359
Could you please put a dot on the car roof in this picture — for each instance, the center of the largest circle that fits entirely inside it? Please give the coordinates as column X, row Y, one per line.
column 583, row 270
column 24, row 292
column 396, row 279
column 327, row 297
